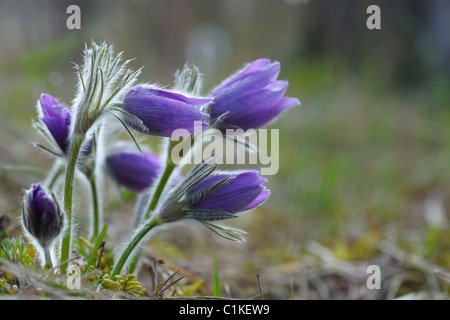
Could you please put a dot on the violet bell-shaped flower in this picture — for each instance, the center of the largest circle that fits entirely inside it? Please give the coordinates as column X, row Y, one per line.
column 41, row 216
column 207, row 196
column 134, row 170
column 57, row 120
column 162, row 111
column 251, row 98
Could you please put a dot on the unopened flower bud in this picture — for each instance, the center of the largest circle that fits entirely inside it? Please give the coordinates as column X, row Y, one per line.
column 42, row 218
column 207, row 196
column 162, row 111
column 252, row 98
column 57, row 119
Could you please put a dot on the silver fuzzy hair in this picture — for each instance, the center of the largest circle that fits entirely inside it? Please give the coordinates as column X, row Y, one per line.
column 77, row 206
column 188, row 80
column 103, row 79
column 32, row 240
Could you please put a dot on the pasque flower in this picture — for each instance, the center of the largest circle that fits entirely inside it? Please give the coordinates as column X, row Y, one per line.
column 252, row 98
column 207, row 196
column 42, row 219
column 231, row 192
column 57, row 119
column 162, row 111
column 204, row 196
column 134, row 170
column 103, row 80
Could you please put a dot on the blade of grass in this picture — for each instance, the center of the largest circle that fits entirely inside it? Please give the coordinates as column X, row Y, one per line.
column 216, row 285
column 432, row 239
column 91, row 259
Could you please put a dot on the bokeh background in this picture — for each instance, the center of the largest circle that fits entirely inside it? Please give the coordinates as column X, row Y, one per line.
column 364, row 161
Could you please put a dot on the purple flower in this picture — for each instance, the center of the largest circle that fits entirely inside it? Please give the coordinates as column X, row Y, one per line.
column 41, row 216
column 216, row 196
column 163, row 111
column 57, row 119
column 133, row 170
column 243, row 191
column 252, row 98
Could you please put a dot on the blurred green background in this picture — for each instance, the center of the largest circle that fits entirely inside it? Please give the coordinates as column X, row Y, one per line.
column 364, row 161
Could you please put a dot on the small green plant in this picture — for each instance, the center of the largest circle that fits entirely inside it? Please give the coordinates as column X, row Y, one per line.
column 17, row 250
column 126, row 283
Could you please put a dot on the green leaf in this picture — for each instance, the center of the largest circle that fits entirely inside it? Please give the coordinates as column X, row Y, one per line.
column 129, row 132
column 226, row 232
column 47, row 150
column 197, row 174
column 91, row 259
column 208, row 215
column 200, row 194
column 216, row 285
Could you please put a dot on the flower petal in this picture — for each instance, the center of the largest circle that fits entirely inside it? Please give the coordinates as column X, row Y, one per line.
column 133, row 170
column 59, row 128
column 234, row 196
column 177, row 96
column 273, row 113
column 252, row 109
column 254, row 76
column 47, row 103
column 41, row 216
column 258, row 200
column 57, row 120
column 162, row 113
column 250, row 98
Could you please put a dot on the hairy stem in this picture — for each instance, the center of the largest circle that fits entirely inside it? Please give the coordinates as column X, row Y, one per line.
column 77, row 141
column 47, row 259
column 137, row 238
column 170, row 166
column 95, row 208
